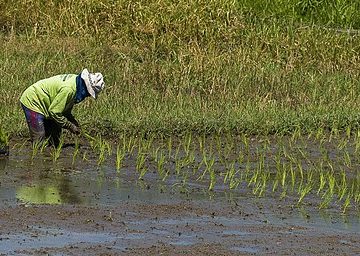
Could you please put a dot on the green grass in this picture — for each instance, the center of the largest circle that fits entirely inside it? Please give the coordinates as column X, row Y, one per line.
column 4, row 139
column 200, row 66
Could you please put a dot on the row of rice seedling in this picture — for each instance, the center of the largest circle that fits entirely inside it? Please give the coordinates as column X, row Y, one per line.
column 321, row 168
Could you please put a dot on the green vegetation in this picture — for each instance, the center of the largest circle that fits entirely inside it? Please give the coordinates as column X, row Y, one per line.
column 260, row 67
column 197, row 68
column 4, row 139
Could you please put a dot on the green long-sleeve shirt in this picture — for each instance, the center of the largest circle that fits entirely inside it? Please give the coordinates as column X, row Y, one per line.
column 53, row 97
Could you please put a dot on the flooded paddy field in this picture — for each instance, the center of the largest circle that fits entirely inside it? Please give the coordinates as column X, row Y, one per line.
column 190, row 196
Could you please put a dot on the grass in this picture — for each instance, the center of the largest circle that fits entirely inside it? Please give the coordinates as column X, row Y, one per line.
column 198, row 66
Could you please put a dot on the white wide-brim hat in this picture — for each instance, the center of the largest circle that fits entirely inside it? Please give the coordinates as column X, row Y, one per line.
column 94, row 82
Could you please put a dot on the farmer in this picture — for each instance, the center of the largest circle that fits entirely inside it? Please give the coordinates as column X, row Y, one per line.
column 48, row 103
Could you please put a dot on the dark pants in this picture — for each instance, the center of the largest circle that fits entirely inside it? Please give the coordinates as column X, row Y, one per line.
column 41, row 128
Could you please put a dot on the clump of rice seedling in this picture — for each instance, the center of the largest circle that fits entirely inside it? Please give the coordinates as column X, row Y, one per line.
column 57, row 150
column 160, row 163
column 120, row 154
column 104, row 147
column 140, row 164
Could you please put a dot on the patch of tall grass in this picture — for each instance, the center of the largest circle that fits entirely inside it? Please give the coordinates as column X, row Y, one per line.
column 261, row 67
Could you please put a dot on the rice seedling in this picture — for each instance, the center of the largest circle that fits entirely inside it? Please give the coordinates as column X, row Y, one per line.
column 140, row 164
column 327, row 197
column 322, row 181
column 284, row 192
column 283, row 175
column 347, row 159
column 36, row 145
column 234, row 183
column 261, row 184
column 293, row 177
column 304, row 191
column 101, row 146
column 229, row 148
column 120, row 155
column 56, row 152
column 275, row 184
column 208, row 161
column 178, row 166
column 331, row 183
column 212, row 183
column 187, row 143
column 102, row 152
column 147, row 144
column 160, row 162
column 346, row 204
column 201, row 141
column 343, row 187
column 230, row 172
column 44, row 144
column 246, row 173
column 130, row 145
column 254, row 178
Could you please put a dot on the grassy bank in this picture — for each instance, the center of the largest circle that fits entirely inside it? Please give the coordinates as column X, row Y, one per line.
column 203, row 66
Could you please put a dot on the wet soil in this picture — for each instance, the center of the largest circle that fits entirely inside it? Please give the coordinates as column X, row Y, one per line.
column 62, row 208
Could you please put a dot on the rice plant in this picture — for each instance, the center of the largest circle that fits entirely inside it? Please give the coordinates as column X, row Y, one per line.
column 120, row 155
column 56, row 151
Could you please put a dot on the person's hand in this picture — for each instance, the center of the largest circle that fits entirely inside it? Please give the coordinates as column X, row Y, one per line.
column 74, row 129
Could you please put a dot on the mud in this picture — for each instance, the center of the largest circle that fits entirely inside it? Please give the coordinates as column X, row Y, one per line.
column 62, row 208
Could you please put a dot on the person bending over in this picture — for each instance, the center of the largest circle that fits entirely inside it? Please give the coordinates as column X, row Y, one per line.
column 48, row 103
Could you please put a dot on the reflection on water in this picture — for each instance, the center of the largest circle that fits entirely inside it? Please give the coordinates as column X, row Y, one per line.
column 38, row 194
column 57, row 191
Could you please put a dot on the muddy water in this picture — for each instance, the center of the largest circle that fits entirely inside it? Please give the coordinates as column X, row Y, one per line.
column 59, row 208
